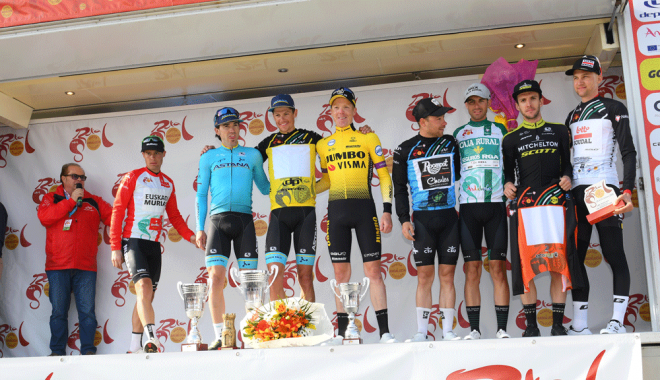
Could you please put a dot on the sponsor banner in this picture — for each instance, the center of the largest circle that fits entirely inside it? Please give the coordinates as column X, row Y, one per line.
column 108, row 146
column 23, row 12
column 609, row 357
column 645, row 22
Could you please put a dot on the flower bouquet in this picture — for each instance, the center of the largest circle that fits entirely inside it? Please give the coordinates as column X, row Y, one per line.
column 286, row 323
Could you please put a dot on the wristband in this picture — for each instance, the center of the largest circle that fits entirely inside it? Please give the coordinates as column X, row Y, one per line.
column 628, row 192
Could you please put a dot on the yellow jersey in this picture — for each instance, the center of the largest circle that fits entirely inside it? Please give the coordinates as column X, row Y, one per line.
column 347, row 161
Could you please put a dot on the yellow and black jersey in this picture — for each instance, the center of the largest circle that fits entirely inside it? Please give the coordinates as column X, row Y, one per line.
column 291, row 167
column 347, row 161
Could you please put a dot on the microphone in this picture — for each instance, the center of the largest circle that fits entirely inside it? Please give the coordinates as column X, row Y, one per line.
column 79, row 200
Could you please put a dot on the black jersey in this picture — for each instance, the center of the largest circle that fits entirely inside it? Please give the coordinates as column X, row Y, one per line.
column 536, row 154
column 431, row 166
column 596, row 127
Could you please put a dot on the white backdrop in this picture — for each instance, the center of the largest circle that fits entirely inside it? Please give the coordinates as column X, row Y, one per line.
column 108, row 145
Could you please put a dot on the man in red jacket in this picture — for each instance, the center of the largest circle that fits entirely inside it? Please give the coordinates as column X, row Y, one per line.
column 71, row 216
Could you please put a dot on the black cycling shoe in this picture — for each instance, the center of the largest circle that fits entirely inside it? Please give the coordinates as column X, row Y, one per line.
column 531, row 331
column 215, row 345
column 558, row 330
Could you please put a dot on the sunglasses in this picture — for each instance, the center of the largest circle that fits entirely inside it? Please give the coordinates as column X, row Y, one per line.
column 76, row 177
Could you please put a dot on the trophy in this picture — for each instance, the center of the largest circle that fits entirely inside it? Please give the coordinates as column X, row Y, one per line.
column 228, row 332
column 193, row 296
column 350, row 298
column 600, row 199
column 254, row 285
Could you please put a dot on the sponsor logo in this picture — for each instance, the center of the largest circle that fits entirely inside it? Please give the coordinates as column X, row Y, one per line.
column 9, row 338
column 120, row 288
column 379, row 150
column 99, row 337
column 12, row 241
column 12, row 144
column 169, row 130
column 37, row 287
column 88, row 137
column 331, row 142
column 167, row 329
column 45, row 186
column 588, row 63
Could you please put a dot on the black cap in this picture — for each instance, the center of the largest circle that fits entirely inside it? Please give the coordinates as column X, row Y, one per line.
column 153, row 143
column 586, row 63
column 429, row 107
column 226, row 115
column 524, row 86
column 342, row 92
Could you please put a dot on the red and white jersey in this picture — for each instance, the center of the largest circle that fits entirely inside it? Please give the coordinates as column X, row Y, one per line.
column 143, row 197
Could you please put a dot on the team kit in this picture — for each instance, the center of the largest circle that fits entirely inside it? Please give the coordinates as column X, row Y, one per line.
column 520, row 189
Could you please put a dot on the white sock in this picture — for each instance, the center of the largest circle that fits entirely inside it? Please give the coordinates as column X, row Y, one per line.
column 136, row 342
column 447, row 316
column 619, row 309
column 423, row 320
column 217, row 327
column 580, row 311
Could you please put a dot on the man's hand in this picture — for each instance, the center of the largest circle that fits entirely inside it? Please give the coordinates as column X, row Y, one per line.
column 201, row 240
column 627, row 198
column 117, row 259
column 408, row 231
column 366, row 129
column 510, row 190
column 386, row 223
column 206, row 148
column 565, row 183
column 193, row 240
column 77, row 193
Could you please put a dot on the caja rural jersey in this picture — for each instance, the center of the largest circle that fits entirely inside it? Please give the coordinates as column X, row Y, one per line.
column 143, row 197
column 482, row 174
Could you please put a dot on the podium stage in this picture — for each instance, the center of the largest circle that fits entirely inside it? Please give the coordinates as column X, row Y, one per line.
column 596, row 357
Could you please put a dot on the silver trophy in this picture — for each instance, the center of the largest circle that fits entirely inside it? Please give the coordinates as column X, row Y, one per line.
column 350, row 297
column 254, row 285
column 194, row 296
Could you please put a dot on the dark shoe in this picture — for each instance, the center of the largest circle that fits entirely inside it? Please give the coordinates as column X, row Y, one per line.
column 215, row 345
column 531, row 331
column 558, row 330
column 54, row 354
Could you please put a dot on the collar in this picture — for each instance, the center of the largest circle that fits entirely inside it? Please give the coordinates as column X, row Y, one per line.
column 538, row 124
column 481, row 123
column 288, row 134
column 344, row 129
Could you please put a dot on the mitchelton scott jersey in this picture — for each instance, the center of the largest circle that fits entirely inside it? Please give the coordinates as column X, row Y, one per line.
column 596, row 127
column 537, row 154
column 291, row 167
column 430, row 166
column 347, row 160
column 143, row 196
column 482, row 170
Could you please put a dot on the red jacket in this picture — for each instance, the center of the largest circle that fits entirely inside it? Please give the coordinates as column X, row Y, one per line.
column 77, row 247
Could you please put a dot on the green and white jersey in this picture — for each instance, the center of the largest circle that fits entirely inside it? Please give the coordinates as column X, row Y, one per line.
column 482, row 170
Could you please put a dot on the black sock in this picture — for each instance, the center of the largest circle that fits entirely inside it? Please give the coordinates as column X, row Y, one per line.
column 383, row 325
column 502, row 315
column 149, row 329
column 342, row 323
column 558, row 314
column 473, row 316
column 530, row 314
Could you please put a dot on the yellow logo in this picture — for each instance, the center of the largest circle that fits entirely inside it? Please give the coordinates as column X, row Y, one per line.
column 554, row 200
column 478, row 149
column 648, row 71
